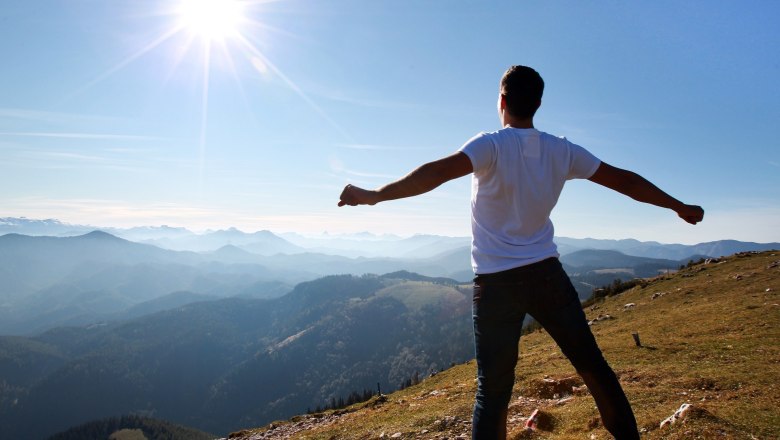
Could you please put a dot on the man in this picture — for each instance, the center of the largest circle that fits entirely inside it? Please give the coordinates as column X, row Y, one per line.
column 518, row 174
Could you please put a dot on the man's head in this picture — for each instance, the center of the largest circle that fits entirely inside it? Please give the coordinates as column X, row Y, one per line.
column 521, row 89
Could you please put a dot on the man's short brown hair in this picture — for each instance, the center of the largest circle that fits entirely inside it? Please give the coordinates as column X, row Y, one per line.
column 522, row 88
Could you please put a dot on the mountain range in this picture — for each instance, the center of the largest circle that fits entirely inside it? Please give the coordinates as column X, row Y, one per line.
column 52, row 281
column 78, row 280
column 357, row 245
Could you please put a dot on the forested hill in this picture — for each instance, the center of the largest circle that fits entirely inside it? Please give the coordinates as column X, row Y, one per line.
column 131, row 428
column 224, row 364
column 710, row 337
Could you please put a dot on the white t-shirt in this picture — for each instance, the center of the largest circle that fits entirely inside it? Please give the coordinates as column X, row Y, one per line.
column 518, row 176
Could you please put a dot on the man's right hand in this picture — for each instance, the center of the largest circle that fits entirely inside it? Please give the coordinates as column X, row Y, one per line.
column 353, row 196
column 691, row 213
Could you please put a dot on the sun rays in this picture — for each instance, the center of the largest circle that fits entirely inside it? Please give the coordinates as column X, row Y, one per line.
column 213, row 30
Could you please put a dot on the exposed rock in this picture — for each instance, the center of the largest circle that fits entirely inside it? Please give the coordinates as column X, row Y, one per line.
column 657, row 295
column 629, row 306
column 376, row 401
column 540, row 420
column 601, row 317
column 284, row 430
column 680, row 414
column 580, row 390
column 688, row 412
column 447, row 422
column 532, row 420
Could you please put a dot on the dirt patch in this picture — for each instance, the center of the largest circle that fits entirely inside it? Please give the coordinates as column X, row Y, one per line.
column 552, row 388
column 645, row 378
column 699, row 384
column 705, row 383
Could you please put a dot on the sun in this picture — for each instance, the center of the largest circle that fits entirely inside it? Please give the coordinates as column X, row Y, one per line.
column 211, row 19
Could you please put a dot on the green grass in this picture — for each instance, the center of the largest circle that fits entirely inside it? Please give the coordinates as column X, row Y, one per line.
column 417, row 294
column 711, row 340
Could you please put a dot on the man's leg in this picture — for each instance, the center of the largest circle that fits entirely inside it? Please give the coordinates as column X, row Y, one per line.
column 565, row 321
column 497, row 324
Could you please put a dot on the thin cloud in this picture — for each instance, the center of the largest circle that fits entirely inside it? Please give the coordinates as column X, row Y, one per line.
column 339, row 171
column 373, row 103
column 375, row 147
column 51, row 117
column 331, row 94
column 111, row 212
column 120, row 213
column 75, row 159
column 369, row 175
column 357, row 181
column 66, row 135
column 120, row 150
column 337, row 167
column 65, row 160
column 65, row 155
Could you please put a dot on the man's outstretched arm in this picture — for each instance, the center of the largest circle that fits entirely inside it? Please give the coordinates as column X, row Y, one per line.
column 640, row 189
column 419, row 181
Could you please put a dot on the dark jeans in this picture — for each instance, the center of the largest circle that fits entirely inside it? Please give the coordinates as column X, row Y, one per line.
column 543, row 290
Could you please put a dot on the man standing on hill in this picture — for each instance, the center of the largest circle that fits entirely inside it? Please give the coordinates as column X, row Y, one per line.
column 518, row 174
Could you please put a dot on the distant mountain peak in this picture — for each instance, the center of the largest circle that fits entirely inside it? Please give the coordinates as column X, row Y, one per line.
column 231, row 250
column 100, row 235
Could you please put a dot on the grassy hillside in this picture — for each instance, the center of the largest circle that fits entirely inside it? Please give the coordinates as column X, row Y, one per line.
column 417, row 294
column 710, row 338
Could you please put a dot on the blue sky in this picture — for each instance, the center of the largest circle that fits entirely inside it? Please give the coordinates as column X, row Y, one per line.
column 114, row 114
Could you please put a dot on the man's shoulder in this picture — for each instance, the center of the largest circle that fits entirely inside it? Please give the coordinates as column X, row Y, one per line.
column 553, row 137
column 502, row 135
column 522, row 132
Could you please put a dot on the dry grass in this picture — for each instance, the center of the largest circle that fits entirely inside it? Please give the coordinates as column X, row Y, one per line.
column 711, row 339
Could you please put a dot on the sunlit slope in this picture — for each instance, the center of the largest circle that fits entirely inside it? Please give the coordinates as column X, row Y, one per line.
column 709, row 337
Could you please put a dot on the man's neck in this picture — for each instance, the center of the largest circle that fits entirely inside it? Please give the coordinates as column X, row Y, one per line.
column 509, row 121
